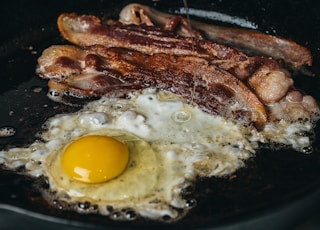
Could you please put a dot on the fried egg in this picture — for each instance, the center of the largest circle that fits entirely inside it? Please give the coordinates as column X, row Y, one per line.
column 134, row 157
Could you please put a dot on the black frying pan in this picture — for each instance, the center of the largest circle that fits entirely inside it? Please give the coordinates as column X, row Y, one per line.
column 277, row 189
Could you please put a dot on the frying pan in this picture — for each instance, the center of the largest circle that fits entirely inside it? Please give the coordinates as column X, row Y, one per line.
column 276, row 190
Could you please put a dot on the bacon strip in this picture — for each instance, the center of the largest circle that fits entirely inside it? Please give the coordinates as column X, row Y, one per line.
column 88, row 30
column 115, row 58
column 268, row 45
column 110, row 71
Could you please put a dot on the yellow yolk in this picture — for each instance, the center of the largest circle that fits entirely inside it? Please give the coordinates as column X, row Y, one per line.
column 95, row 159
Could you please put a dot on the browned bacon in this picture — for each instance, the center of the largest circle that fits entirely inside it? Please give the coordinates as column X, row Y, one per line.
column 88, row 30
column 112, row 71
column 278, row 48
column 112, row 58
column 270, row 82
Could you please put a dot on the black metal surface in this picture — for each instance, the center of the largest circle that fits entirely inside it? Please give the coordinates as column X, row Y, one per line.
column 279, row 189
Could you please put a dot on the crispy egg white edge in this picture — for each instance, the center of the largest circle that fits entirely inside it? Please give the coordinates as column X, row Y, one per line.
column 185, row 125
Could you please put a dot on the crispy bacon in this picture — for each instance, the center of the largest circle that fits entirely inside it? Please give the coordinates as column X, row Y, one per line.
column 270, row 82
column 88, row 30
column 112, row 58
column 113, row 71
column 279, row 48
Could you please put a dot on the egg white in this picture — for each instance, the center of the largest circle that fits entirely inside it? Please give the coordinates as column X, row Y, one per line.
column 170, row 142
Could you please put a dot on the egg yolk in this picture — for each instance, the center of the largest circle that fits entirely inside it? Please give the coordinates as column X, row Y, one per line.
column 95, row 159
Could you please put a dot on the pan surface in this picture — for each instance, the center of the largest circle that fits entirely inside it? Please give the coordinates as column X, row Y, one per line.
column 280, row 188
